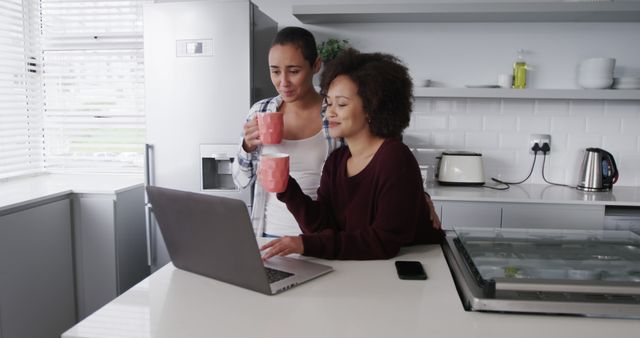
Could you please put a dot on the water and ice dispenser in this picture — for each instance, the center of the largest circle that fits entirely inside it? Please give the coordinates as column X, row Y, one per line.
column 216, row 163
column 216, row 171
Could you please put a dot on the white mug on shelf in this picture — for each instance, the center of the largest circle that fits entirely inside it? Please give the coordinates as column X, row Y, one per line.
column 505, row 80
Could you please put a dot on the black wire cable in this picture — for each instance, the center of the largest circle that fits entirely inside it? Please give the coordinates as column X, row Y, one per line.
column 544, row 160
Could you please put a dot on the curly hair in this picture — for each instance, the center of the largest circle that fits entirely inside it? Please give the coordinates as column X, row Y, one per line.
column 384, row 85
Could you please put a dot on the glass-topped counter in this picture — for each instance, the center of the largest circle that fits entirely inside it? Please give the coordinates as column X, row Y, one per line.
column 553, row 254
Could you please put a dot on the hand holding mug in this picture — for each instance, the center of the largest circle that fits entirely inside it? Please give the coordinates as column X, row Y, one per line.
column 251, row 135
column 271, row 127
column 273, row 172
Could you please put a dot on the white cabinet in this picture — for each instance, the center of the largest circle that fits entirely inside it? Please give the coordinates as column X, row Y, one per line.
column 558, row 216
column 470, row 215
column 36, row 271
column 462, row 214
column 110, row 244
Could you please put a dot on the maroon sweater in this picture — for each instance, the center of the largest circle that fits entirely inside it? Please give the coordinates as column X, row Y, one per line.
column 366, row 216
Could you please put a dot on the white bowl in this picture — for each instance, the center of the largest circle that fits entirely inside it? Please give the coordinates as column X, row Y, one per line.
column 598, row 63
column 595, row 73
column 595, row 82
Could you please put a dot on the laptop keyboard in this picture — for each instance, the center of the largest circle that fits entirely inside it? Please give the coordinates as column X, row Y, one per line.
column 274, row 275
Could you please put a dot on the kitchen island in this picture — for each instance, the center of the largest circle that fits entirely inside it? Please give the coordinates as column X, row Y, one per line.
column 358, row 299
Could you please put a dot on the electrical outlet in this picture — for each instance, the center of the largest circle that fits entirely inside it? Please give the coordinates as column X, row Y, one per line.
column 540, row 139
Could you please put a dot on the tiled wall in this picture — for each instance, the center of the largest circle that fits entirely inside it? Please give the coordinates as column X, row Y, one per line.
column 500, row 130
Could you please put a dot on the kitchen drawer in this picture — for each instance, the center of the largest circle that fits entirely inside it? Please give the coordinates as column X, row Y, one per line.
column 552, row 216
column 470, row 215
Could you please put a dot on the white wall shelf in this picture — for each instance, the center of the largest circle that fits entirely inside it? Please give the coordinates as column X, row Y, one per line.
column 614, row 11
column 549, row 94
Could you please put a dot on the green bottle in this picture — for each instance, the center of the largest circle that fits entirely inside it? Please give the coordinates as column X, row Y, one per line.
column 520, row 71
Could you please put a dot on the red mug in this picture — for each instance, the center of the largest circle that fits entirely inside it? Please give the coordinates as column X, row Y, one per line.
column 273, row 172
column 271, row 126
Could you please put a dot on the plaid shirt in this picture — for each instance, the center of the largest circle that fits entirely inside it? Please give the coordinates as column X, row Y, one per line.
column 244, row 168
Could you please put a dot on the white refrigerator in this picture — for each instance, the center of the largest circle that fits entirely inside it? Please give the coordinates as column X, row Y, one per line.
column 205, row 64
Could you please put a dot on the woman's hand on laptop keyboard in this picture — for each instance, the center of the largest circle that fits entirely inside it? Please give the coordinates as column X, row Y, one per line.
column 283, row 246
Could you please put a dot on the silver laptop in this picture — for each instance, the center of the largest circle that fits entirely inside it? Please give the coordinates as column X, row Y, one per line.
column 213, row 236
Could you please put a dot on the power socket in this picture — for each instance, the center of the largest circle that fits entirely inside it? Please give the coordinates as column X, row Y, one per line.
column 540, row 139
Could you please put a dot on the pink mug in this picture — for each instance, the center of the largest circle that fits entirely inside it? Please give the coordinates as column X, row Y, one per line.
column 271, row 125
column 273, row 172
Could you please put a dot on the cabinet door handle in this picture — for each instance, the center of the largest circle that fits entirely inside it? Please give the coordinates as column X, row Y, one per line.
column 150, row 252
column 148, row 164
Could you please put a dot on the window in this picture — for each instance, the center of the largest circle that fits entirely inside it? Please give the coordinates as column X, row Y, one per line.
column 21, row 142
column 93, row 80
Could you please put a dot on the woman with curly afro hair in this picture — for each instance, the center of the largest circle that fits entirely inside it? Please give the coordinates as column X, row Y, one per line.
column 370, row 201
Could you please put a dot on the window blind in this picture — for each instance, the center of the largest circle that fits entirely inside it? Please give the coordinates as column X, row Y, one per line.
column 21, row 142
column 93, row 77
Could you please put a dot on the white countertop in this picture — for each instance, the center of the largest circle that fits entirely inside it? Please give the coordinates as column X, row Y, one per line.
column 358, row 299
column 537, row 193
column 22, row 191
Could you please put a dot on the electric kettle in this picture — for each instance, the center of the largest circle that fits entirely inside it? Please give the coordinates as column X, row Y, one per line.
column 598, row 171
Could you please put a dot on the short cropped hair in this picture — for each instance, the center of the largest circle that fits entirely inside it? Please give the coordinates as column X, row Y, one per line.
column 301, row 38
column 384, row 85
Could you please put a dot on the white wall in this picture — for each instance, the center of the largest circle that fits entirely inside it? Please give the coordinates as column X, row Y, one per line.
column 456, row 54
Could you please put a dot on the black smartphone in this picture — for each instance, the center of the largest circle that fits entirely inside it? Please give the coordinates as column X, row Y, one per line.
column 410, row 270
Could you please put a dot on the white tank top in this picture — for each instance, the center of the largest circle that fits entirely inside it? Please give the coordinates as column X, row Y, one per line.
column 306, row 158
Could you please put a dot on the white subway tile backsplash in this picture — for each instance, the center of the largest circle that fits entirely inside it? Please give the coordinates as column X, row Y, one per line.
column 631, row 125
column 500, row 123
column 449, row 106
column 559, row 142
column 500, row 129
column 580, row 141
column 518, row 107
column 431, row 122
column 534, row 124
column 628, row 164
column 498, row 157
column 552, row 108
column 604, row 125
column 622, row 108
column 628, row 160
column 481, row 140
column 569, row 124
column 465, row 122
column 586, row 108
column 483, row 106
column 626, row 143
column 449, row 140
column 513, row 140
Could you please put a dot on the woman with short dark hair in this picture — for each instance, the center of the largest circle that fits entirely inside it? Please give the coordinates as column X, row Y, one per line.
column 370, row 201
